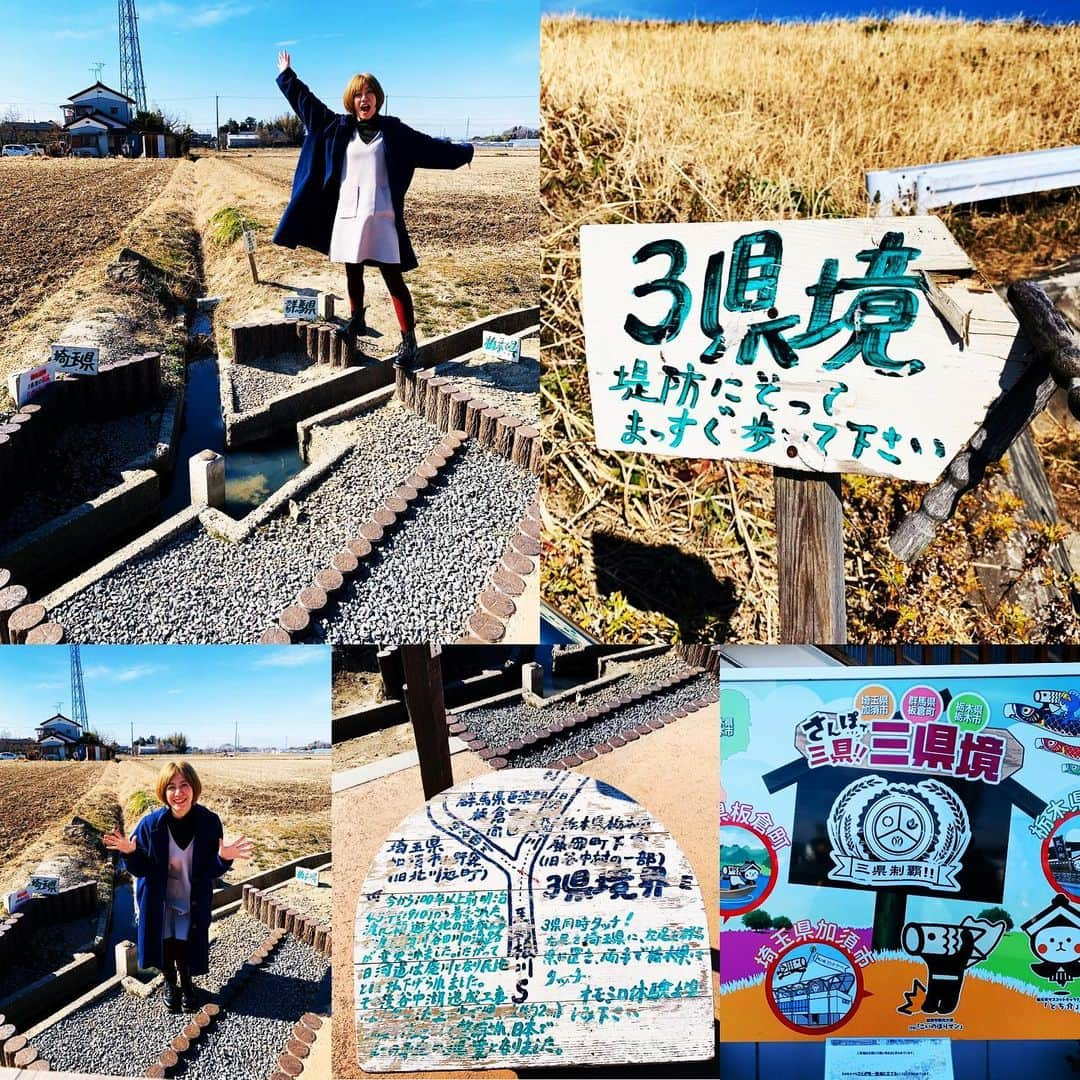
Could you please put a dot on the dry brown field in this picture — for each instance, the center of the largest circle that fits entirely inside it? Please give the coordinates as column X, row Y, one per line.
column 35, row 795
column 651, row 122
column 281, row 801
column 60, row 212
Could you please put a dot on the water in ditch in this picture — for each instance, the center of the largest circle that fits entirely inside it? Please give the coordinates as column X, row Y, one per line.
column 123, row 926
column 251, row 473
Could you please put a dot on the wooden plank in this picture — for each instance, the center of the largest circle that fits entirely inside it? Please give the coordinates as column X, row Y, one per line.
column 427, row 711
column 810, row 558
column 527, row 918
column 810, row 345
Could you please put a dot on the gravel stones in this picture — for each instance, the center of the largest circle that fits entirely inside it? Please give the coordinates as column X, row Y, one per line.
column 512, row 387
column 258, row 381
column 422, row 584
column 86, row 1040
column 200, row 589
column 504, row 725
column 261, row 1018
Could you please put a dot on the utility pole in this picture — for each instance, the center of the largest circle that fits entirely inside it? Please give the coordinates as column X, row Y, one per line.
column 131, row 745
column 217, row 125
column 466, row 129
column 236, row 736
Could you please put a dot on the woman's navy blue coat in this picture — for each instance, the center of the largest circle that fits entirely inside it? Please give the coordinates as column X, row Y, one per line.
column 149, row 862
column 309, row 218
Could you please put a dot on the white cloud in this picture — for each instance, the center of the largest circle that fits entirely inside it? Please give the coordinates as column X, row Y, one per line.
column 57, row 685
column 292, row 656
column 75, row 35
column 291, row 41
column 120, row 675
column 214, row 16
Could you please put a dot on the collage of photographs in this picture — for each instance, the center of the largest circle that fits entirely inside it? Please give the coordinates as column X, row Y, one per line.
column 609, row 473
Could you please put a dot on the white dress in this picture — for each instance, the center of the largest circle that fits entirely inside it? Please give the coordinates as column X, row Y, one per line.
column 178, row 891
column 364, row 224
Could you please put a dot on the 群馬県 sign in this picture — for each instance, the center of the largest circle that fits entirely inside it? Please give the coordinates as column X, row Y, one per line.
column 531, row 917
column 829, row 346
column 900, row 853
column 302, row 307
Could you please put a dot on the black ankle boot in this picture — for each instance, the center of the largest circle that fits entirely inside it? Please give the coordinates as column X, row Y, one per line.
column 406, row 351
column 188, row 998
column 171, row 995
column 356, row 325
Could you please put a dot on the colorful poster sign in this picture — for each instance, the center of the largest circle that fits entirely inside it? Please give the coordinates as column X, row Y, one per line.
column 531, row 917
column 900, row 853
column 23, row 385
column 842, row 346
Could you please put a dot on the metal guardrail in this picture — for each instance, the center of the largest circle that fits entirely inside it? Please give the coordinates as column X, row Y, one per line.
column 918, row 188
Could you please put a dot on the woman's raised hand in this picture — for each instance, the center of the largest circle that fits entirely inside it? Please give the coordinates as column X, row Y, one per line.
column 240, row 848
column 117, row 841
column 283, row 60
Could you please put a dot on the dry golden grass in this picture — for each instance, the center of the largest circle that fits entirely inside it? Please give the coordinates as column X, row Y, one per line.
column 653, row 122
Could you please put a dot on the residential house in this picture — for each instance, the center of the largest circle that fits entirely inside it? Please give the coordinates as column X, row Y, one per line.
column 101, row 121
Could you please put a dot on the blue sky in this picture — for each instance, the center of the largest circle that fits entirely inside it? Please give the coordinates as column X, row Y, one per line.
column 279, row 695
column 733, row 10
column 439, row 63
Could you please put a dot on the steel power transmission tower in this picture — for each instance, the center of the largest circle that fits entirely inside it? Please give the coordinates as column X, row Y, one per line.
column 132, row 82
column 78, row 694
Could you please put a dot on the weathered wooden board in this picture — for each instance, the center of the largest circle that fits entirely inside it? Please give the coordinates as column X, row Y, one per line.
column 866, row 345
column 531, row 917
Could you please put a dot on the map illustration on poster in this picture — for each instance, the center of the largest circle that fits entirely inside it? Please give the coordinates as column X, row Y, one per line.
column 900, row 853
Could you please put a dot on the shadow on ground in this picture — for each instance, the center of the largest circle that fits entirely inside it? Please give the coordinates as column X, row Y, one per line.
column 664, row 579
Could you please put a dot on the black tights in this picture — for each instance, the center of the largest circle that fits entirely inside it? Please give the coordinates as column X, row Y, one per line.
column 395, row 284
column 174, row 951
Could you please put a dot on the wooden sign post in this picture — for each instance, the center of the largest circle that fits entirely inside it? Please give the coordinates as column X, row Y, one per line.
column 249, row 248
column 531, row 918
column 817, row 347
column 427, row 711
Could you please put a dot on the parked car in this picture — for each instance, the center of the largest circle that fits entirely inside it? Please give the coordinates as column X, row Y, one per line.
column 84, row 151
column 16, row 150
column 37, row 149
column 9, row 757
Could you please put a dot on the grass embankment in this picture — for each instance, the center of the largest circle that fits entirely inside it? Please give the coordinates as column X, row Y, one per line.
column 655, row 122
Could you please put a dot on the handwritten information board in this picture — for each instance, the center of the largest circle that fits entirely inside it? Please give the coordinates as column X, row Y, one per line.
column 503, row 346
column 840, row 346
column 900, row 853
column 531, row 917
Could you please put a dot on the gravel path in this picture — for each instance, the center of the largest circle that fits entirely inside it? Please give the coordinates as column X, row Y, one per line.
column 252, row 1032
column 307, row 899
column 425, row 582
column 498, row 725
column 199, row 589
column 85, row 462
column 587, row 735
column 255, row 383
column 512, row 387
column 88, row 1040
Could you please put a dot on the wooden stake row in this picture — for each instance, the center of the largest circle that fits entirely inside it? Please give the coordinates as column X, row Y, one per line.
column 294, row 621
column 16, row 1051
column 22, row 623
column 706, row 657
column 26, row 437
column 277, row 915
column 448, row 407
column 320, row 342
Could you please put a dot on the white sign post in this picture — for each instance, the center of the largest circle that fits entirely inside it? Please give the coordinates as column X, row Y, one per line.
column 502, row 346
column 44, row 885
column 249, row 248
column 23, row 385
column 307, row 876
column 305, row 308
column 74, row 359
